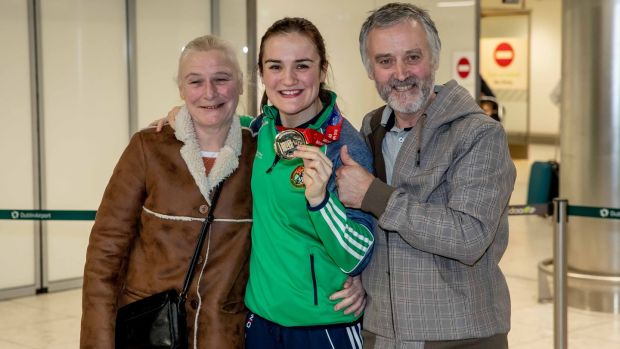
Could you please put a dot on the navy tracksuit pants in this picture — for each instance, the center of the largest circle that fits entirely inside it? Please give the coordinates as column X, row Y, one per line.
column 263, row 334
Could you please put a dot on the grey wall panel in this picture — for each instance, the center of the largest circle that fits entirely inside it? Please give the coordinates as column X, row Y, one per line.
column 162, row 28
column 84, row 107
column 17, row 251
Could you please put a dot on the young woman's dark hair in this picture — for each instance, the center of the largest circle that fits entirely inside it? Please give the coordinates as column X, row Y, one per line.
column 302, row 26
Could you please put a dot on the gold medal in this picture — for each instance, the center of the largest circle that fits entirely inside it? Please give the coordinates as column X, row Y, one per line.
column 287, row 141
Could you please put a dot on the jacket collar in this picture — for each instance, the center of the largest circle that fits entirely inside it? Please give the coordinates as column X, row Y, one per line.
column 377, row 133
column 227, row 160
column 451, row 102
column 329, row 103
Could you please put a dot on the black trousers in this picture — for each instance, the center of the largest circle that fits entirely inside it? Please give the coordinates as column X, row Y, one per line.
column 261, row 333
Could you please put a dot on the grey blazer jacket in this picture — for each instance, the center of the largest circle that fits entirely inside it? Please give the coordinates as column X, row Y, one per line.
column 442, row 226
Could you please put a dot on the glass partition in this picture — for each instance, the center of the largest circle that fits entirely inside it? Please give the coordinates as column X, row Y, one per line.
column 17, row 238
column 84, row 112
column 162, row 27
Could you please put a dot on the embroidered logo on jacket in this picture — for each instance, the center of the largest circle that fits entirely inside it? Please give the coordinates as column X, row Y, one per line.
column 297, row 177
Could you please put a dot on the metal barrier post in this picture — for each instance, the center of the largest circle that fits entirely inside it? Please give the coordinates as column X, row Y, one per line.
column 560, row 274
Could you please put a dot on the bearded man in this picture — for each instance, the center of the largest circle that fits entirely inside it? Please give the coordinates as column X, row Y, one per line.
column 444, row 177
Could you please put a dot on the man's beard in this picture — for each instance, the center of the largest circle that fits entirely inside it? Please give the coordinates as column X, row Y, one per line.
column 410, row 101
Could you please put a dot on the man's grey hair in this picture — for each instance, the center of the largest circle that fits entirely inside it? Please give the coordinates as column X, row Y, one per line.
column 395, row 13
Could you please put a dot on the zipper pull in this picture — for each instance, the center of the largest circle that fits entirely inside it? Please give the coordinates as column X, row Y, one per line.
column 275, row 161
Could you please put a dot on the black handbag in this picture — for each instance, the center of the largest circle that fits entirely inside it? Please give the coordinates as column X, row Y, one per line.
column 159, row 321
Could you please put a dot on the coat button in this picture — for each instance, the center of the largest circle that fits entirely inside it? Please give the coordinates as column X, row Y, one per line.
column 203, row 209
column 194, row 304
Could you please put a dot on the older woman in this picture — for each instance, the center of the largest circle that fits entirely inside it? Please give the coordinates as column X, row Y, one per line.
column 160, row 191
column 305, row 244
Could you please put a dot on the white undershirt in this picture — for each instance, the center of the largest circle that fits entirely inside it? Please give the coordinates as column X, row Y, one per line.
column 209, row 154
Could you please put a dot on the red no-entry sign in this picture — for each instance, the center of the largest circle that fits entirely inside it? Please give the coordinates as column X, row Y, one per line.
column 463, row 67
column 504, row 54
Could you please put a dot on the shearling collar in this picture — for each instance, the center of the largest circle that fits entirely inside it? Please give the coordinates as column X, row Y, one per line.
column 226, row 162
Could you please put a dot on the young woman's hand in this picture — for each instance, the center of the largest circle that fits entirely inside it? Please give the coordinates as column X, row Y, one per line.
column 170, row 118
column 317, row 170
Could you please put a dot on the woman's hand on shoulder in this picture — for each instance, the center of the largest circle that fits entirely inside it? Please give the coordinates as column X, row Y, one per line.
column 170, row 118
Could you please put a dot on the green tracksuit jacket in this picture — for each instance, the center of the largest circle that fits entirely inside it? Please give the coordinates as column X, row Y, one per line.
column 301, row 255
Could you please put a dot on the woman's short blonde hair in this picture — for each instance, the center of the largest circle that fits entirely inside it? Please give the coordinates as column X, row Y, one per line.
column 210, row 42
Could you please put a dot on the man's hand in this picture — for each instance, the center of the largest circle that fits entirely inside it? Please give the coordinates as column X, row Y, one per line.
column 352, row 180
column 353, row 296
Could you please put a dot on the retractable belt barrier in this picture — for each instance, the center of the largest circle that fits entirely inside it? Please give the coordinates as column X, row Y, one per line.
column 543, row 210
column 48, row 215
column 560, row 210
column 594, row 212
column 546, row 209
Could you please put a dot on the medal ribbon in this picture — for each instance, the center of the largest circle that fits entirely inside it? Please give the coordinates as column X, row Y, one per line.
column 332, row 131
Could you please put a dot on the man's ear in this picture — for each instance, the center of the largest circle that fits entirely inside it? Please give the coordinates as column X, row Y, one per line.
column 371, row 73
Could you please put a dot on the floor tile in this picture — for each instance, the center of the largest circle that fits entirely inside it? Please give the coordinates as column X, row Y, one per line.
column 61, row 333
column 608, row 328
column 523, row 292
column 15, row 315
column 525, row 334
column 9, row 345
column 67, row 303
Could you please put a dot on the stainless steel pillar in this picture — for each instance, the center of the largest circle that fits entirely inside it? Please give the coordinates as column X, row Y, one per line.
column 590, row 146
column 560, row 320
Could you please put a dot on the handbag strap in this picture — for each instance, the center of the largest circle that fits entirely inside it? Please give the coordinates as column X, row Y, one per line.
column 201, row 239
